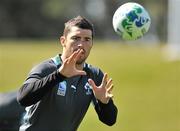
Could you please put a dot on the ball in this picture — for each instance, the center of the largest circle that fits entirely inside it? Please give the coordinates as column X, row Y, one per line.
column 131, row 21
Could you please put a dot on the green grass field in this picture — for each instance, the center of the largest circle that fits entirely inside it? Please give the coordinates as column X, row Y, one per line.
column 146, row 88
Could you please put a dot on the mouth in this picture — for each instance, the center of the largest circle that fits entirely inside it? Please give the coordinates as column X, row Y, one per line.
column 82, row 52
column 81, row 57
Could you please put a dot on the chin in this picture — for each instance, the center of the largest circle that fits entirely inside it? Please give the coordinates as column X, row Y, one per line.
column 80, row 61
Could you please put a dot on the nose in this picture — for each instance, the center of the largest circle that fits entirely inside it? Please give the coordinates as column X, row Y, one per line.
column 80, row 43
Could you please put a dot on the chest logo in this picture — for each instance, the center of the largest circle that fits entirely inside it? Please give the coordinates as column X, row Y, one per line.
column 62, row 88
column 88, row 89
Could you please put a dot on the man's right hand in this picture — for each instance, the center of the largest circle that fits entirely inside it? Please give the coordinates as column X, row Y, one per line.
column 68, row 67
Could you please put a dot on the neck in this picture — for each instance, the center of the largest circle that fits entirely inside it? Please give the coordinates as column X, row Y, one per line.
column 80, row 66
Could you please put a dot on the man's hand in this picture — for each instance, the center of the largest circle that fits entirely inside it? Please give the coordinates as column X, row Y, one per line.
column 68, row 67
column 102, row 92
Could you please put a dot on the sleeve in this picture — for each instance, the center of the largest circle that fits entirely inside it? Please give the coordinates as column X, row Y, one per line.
column 41, row 80
column 107, row 113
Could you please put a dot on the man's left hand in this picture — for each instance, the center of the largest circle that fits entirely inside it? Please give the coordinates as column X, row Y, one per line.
column 102, row 92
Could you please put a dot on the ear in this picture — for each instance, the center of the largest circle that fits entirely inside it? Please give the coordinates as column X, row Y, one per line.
column 62, row 41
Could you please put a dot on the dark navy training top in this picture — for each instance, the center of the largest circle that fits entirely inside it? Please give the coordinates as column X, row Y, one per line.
column 56, row 103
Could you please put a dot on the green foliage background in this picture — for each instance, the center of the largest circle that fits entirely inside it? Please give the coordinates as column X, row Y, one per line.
column 146, row 88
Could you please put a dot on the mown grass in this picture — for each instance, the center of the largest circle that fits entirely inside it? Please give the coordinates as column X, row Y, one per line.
column 146, row 88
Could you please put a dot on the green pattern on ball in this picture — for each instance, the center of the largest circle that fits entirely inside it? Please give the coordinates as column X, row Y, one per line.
column 127, row 23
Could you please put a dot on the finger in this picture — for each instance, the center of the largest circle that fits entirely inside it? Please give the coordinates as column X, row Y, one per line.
column 73, row 56
column 109, row 83
column 65, row 61
column 109, row 90
column 110, row 95
column 79, row 51
column 104, row 81
column 79, row 72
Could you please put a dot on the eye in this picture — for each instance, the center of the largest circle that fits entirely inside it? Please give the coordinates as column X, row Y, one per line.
column 75, row 38
column 87, row 39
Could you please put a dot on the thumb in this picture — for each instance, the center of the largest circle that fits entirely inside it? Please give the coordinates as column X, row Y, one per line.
column 92, row 84
column 79, row 72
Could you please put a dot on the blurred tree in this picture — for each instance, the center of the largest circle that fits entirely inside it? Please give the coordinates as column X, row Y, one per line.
column 26, row 19
column 45, row 18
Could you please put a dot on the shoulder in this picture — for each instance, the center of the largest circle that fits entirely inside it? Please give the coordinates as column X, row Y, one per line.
column 93, row 69
column 94, row 73
column 45, row 67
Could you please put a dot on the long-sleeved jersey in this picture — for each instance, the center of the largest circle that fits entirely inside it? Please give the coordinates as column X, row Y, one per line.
column 56, row 103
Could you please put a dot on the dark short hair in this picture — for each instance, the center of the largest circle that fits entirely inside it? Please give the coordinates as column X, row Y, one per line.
column 79, row 22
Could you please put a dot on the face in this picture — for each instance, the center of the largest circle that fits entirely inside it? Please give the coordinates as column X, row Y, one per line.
column 77, row 38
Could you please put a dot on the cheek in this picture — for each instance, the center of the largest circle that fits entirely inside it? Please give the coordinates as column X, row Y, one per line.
column 88, row 48
column 71, row 48
column 69, row 45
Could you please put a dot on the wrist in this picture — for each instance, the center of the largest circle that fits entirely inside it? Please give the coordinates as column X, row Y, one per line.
column 61, row 72
column 105, row 104
column 104, row 101
column 60, row 75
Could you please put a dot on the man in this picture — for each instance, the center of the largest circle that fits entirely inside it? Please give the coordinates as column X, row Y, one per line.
column 58, row 91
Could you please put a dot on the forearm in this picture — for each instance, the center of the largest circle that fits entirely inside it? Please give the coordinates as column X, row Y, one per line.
column 107, row 113
column 32, row 92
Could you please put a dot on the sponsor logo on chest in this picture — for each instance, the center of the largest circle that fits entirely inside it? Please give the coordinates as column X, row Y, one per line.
column 62, row 88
